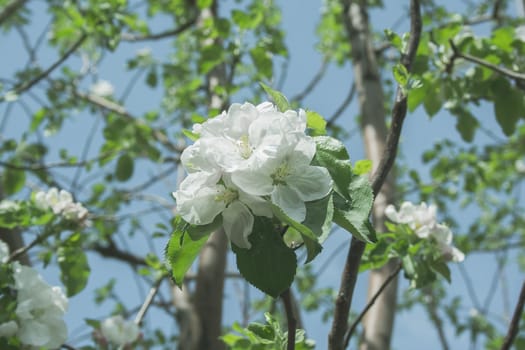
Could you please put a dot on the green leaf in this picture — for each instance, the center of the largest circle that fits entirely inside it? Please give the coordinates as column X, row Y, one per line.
column 353, row 214
column 151, row 78
column 361, row 230
column 262, row 60
column 182, row 249
column 508, row 105
column 400, row 75
column 211, row 56
column 269, row 264
column 74, row 269
column 190, row 134
column 278, row 98
column 466, row 124
column 124, row 169
column 394, row 39
column 362, row 167
column 246, row 20
column 442, row 268
column 202, row 4
column 313, row 248
column 332, row 154
column 315, row 122
column 319, row 215
column 13, row 180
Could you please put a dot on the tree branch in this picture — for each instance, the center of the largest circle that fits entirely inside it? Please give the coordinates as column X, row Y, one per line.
column 348, row 99
column 515, row 322
column 370, row 303
column 158, row 36
column 313, row 83
column 112, row 251
column 501, row 70
column 357, row 247
column 22, row 87
column 10, row 9
column 291, row 321
column 116, row 108
column 149, row 300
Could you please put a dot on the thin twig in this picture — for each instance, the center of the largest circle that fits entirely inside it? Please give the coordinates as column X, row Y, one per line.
column 290, row 319
column 436, row 320
column 149, row 299
column 501, row 70
column 162, row 35
column 111, row 106
column 371, row 302
column 313, row 83
column 515, row 322
column 348, row 99
column 23, row 250
column 10, row 9
column 357, row 247
column 22, row 87
column 38, row 167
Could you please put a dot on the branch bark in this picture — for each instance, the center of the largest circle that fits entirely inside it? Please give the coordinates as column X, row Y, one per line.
column 515, row 322
column 209, row 290
column 379, row 321
column 10, row 9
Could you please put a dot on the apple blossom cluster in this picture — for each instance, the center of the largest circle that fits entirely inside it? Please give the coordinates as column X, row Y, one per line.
column 245, row 160
column 39, row 308
column 422, row 220
column 61, row 202
column 118, row 331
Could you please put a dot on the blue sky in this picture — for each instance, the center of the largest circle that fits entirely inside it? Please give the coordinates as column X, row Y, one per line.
column 412, row 329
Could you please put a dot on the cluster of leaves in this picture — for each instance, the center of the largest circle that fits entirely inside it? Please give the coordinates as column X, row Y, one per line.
column 267, row 336
column 421, row 259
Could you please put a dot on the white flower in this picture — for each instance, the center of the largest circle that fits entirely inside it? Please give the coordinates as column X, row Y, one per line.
column 244, row 158
column 201, row 198
column 8, row 205
column 443, row 236
column 420, row 218
column 119, row 331
column 8, row 329
column 519, row 32
column 520, row 166
column 102, row 88
column 40, row 310
column 243, row 136
column 4, row 252
column 288, row 179
column 61, row 202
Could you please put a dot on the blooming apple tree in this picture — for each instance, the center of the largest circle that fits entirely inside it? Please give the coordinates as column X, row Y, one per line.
column 100, row 188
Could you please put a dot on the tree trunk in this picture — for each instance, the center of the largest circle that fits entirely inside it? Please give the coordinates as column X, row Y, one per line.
column 378, row 323
column 205, row 310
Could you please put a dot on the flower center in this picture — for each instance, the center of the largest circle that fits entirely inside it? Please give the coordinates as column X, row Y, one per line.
column 228, row 196
column 280, row 174
column 244, row 147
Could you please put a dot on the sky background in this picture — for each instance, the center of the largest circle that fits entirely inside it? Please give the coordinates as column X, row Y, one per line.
column 413, row 329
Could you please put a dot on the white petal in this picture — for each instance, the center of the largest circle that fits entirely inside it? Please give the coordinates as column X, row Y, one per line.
column 290, row 202
column 201, row 207
column 239, row 119
column 265, row 107
column 391, row 213
column 213, row 127
column 254, row 182
column 257, row 205
column 237, row 221
column 310, row 182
